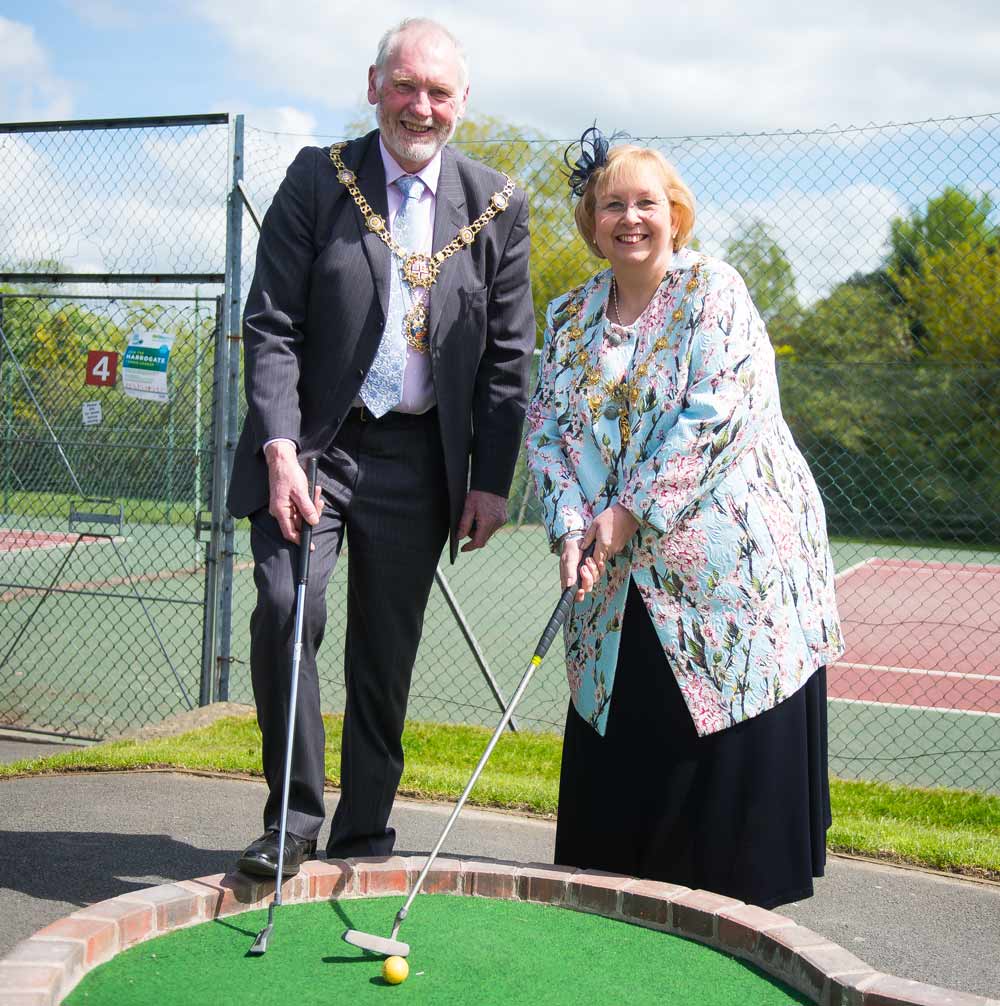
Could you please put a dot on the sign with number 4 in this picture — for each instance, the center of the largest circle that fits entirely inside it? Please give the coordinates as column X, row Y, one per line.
column 102, row 367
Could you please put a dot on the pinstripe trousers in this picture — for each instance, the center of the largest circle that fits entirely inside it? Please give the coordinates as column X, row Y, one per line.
column 385, row 493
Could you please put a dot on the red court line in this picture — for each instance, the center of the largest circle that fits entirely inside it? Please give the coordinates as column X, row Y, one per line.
column 920, row 633
column 925, row 566
column 15, row 540
column 914, row 687
column 72, row 586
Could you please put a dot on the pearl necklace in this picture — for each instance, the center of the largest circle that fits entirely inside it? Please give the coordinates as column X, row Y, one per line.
column 614, row 297
column 618, row 316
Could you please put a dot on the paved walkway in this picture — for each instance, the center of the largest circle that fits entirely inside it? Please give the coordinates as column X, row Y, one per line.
column 68, row 841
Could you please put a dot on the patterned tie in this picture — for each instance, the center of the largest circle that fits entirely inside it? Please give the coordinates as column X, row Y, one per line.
column 383, row 387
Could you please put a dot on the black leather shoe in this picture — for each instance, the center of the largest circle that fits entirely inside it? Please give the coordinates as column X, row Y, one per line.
column 260, row 858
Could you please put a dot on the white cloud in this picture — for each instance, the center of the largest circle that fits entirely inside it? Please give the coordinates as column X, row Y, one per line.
column 650, row 68
column 136, row 201
column 272, row 138
column 309, row 51
column 24, row 237
column 284, row 119
column 671, row 71
column 104, row 13
column 826, row 236
column 120, row 203
column 28, row 87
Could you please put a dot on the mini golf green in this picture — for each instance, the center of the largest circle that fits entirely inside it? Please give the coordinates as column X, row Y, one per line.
column 462, row 950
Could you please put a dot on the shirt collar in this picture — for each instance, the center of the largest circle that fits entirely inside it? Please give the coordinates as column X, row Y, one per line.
column 428, row 174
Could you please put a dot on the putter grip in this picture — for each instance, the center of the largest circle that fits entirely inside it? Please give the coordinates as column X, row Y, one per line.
column 305, row 537
column 562, row 609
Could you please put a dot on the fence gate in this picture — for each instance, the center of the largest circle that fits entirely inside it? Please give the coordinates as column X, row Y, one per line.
column 115, row 376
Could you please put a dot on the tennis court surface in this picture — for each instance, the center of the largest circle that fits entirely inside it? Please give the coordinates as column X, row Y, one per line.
column 17, row 540
column 920, row 633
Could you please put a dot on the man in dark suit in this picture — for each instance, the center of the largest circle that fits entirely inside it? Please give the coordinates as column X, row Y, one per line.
column 409, row 392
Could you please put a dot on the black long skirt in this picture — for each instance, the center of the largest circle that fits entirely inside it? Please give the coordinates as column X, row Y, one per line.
column 742, row 812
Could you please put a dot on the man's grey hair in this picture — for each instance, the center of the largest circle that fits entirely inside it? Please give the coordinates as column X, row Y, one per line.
column 389, row 41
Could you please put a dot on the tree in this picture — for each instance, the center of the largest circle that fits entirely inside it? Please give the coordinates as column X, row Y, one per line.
column 950, row 219
column 559, row 258
column 854, row 324
column 944, row 266
column 766, row 270
column 902, row 445
column 953, row 295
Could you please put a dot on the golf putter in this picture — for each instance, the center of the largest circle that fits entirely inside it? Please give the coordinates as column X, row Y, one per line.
column 305, row 540
column 390, row 946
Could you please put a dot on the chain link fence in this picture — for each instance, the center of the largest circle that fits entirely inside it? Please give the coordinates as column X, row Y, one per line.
column 101, row 610
column 872, row 254
column 114, row 237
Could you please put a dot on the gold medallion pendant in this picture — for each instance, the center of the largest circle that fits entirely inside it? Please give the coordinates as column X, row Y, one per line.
column 419, row 271
column 415, row 327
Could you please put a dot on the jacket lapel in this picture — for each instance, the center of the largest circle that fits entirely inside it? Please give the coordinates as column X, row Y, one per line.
column 450, row 217
column 371, row 181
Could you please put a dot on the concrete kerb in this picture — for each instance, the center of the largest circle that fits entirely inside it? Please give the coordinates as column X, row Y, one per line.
column 42, row 970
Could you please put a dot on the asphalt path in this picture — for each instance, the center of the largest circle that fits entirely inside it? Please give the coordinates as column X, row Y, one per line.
column 68, row 841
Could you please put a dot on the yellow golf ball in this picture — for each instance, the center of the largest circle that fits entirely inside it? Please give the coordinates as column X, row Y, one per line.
column 395, row 970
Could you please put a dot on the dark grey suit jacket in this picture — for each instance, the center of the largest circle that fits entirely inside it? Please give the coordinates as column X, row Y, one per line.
column 316, row 311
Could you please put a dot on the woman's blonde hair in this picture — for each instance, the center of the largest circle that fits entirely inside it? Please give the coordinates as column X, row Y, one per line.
column 620, row 166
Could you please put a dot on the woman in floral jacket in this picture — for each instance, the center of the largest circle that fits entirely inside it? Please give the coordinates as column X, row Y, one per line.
column 695, row 748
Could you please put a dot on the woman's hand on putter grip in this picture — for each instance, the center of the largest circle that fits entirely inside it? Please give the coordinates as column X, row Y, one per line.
column 610, row 530
column 289, row 502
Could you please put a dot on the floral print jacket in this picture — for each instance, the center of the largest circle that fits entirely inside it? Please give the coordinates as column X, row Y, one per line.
column 679, row 421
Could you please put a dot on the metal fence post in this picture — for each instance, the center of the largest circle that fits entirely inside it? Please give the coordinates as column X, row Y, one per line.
column 213, row 546
column 229, row 430
column 196, row 494
column 8, row 407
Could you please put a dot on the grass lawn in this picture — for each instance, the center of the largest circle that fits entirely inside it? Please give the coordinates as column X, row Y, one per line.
column 36, row 508
column 951, row 830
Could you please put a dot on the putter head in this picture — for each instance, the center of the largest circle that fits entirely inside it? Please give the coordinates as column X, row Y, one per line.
column 260, row 944
column 376, row 944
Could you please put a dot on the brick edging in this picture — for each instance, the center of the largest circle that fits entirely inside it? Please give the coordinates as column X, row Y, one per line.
column 43, row 969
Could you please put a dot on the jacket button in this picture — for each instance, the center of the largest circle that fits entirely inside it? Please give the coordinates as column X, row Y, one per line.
column 361, row 372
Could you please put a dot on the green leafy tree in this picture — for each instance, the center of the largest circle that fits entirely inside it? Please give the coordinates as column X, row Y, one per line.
column 951, row 219
column 853, row 324
column 953, row 295
column 49, row 341
column 904, row 445
column 951, row 222
column 766, row 270
column 148, row 450
column 559, row 258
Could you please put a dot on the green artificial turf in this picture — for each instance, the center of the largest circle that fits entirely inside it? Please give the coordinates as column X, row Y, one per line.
column 462, row 950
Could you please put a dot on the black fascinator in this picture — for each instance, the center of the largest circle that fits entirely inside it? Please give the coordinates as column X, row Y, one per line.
column 593, row 146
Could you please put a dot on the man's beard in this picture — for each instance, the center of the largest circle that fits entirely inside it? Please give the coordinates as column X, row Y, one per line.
column 409, row 148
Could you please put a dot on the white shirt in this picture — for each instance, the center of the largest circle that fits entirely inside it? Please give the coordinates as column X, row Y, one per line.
column 418, row 383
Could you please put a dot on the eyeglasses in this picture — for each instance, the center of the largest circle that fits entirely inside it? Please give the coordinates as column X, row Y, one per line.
column 643, row 207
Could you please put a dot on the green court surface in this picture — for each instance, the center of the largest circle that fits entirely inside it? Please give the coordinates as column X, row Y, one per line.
column 91, row 664
column 462, row 950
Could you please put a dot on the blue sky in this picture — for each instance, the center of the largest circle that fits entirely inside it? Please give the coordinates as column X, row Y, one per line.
column 109, row 63
column 710, row 66
column 110, row 67
column 297, row 70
